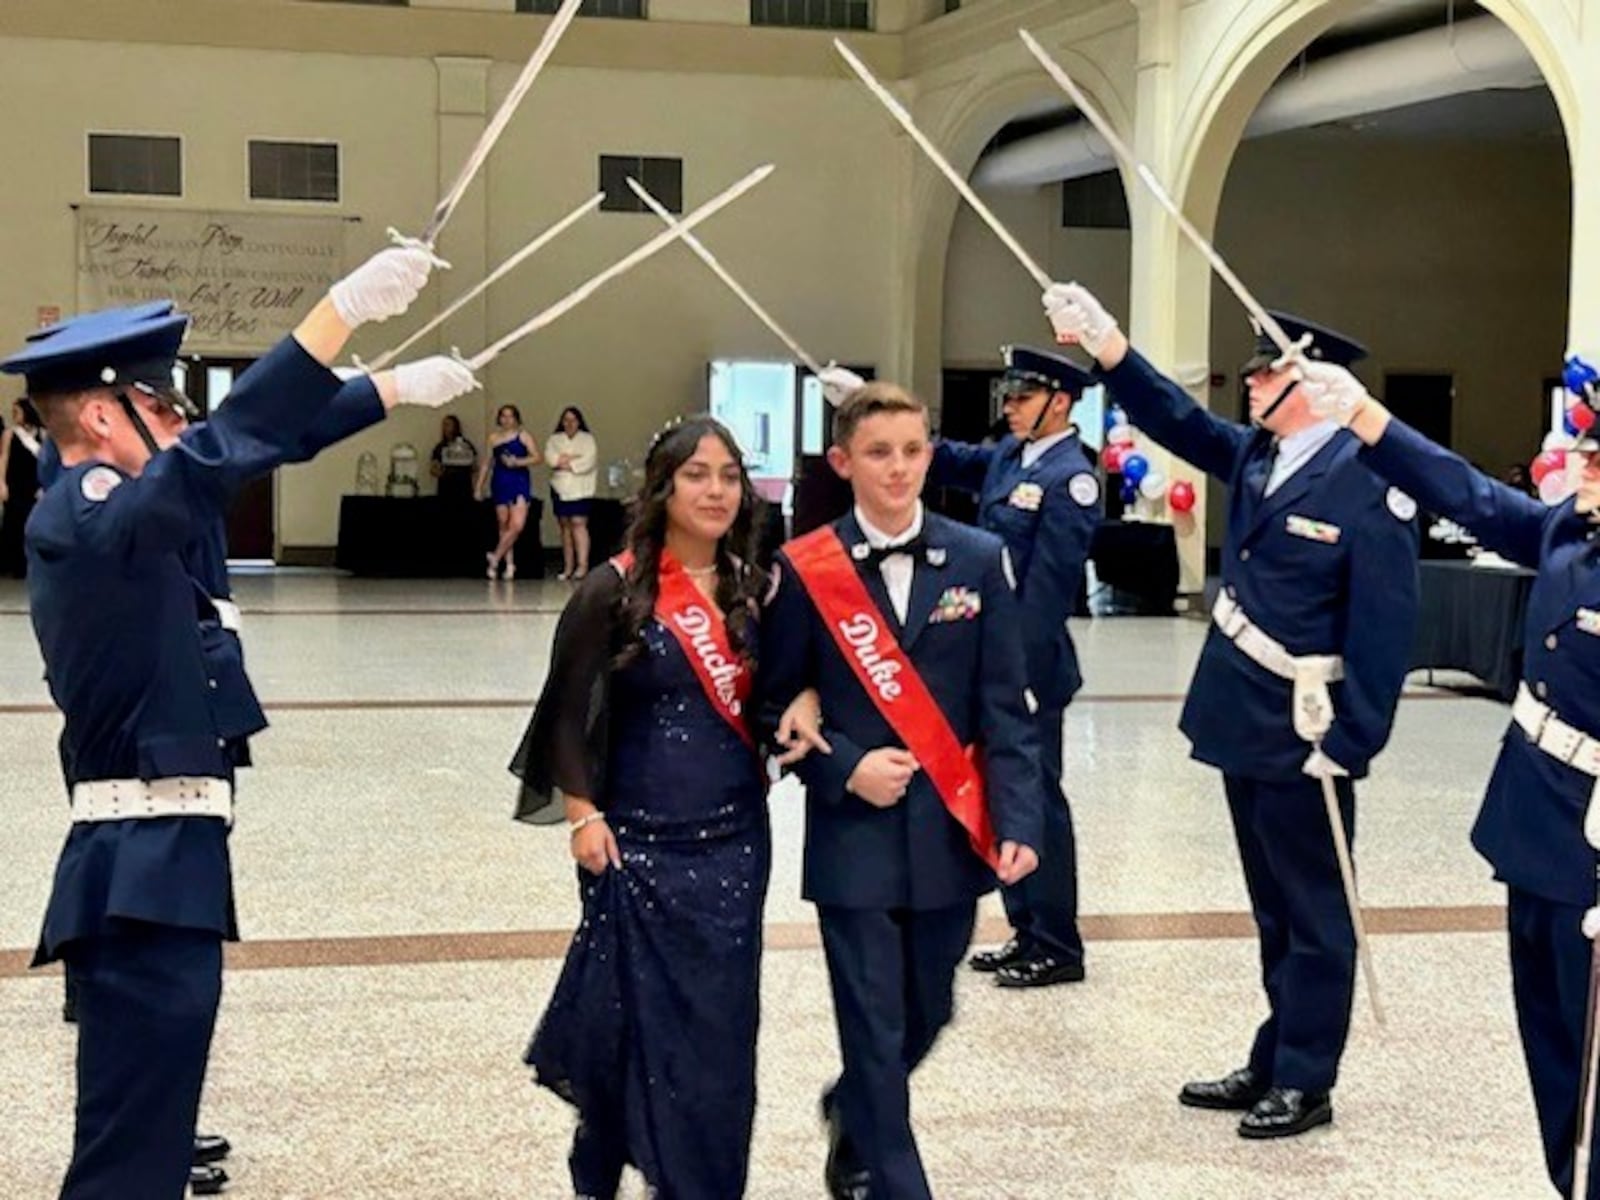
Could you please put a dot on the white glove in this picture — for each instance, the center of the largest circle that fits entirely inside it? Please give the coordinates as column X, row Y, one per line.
column 433, row 382
column 385, row 285
column 1591, row 924
column 838, row 382
column 1331, row 391
column 1320, row 766
column 1077, row 317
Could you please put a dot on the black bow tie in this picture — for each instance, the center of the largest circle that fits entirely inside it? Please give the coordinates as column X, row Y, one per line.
column 875, row 555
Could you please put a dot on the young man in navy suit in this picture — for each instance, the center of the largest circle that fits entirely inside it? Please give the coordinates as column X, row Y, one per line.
column 1039, row 494
column 1297, row 682
column 907, row 627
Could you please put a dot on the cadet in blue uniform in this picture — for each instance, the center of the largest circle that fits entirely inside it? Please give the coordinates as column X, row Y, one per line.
column 1532, row 825
column 1037, row 491
column 1318, row 605
column 142, row 895
column 899, row 840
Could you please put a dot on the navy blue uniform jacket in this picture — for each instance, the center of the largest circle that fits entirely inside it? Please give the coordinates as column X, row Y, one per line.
column 1531, row 825
column 1046, row 514
column 914, row 854
column 1327, row 564
column 113, row 605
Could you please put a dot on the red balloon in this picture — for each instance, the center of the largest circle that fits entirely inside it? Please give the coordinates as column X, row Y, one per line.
column 1548, row 461
column 1111, row 457
column 1581, row 416
column 1181, row 496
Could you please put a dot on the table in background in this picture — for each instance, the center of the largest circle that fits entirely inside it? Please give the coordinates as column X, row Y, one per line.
column 425, row 536
column 1470, row 619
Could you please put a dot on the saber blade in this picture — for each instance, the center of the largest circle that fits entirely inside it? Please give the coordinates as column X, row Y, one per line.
column 623, row 265
column 957, row 180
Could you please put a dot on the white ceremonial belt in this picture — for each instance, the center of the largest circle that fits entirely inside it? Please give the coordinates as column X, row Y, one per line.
column 1266, row 651
column 1562, row 742
column 143, row 800
column 228, row 615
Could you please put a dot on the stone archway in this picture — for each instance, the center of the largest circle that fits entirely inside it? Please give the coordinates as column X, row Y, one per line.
column 961, row 128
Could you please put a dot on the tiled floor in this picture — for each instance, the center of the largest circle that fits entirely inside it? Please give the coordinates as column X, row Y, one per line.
column 358, row 1059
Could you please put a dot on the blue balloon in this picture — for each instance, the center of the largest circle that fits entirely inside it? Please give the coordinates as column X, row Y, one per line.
column 1134, row 468
column 1580, row 377
column 1114, row 417
column 1130, row 491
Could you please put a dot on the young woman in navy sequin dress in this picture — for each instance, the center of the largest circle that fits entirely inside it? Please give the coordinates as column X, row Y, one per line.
column 642, row 730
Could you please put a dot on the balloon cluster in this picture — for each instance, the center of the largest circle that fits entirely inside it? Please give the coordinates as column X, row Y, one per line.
column 1549, row 470
column 1139, row 478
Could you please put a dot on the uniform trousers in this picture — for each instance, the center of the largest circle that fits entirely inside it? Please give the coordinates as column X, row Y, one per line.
column 1308, row 945
column 1550, row 964
column 1043, row 908
column 147, row 1004
column 893, row 974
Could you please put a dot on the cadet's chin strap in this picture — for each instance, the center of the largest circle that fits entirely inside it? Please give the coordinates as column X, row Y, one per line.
column 1044, row 411
column 143, row 430
column 1281, row 397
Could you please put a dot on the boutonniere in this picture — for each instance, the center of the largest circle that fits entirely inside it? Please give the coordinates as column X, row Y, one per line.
column 957, row 604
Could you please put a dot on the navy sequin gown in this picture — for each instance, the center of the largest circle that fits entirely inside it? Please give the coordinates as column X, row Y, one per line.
column 651, row 1032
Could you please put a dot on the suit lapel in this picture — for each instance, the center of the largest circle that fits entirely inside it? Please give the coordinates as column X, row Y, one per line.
column 850, row 534
column 1580, row 580
column 927, row 585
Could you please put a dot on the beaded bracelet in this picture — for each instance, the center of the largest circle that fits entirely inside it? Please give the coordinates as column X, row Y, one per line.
column 583, row 822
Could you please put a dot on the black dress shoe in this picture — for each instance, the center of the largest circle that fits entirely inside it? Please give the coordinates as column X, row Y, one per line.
column 207, row 1180
column 989, row 961
column 1039, row 970
column 1238, row 1091
column 1284, row 1112
column 844, row 1176
column 211, row 1147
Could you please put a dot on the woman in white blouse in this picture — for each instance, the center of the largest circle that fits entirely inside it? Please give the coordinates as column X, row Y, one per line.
column 572, row 455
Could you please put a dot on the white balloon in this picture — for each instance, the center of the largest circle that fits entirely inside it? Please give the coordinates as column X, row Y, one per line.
column 1120, row 435
column 1556, row 439
column 1153, row 486
column 1553, row 488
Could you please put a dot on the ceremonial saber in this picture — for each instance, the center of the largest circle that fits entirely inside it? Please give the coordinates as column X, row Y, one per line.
column 899, row 113
column 579, row 294
column 721, row 273
column 461, row 301
column 1352, row 899
column 1583, row 1150
column 508, row 107
column 1258, row 313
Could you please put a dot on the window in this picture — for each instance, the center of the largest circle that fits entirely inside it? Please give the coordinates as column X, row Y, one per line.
column 629, row 9
column 757, row 400
column 812, row 14
column 661, row 177
column 1094, row 202
column 294, row 171
column 133, row 164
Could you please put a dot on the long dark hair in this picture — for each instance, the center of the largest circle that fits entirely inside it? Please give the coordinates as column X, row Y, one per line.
column 30, row 414
column 740, row 583
column 583, row 426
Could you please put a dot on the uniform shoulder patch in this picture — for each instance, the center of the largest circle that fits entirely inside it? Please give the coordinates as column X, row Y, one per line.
column 98, row 483
column 1401, row 505
column 1084, row 488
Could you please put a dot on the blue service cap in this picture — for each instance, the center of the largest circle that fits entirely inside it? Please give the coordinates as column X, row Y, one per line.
column 1029, row 370
column 1327, row 345
column 133, row 346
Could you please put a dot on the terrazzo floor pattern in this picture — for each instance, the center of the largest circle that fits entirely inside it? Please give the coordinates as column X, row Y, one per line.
column 379, row 811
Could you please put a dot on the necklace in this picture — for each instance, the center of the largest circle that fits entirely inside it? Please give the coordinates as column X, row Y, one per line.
column 700, row 572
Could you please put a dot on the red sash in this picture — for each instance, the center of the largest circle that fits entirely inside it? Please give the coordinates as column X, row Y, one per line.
column 891, row 682
column 703, row 635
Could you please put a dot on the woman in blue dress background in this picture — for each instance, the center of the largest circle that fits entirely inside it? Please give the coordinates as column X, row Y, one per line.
column 513, row 453
column 651, row 1031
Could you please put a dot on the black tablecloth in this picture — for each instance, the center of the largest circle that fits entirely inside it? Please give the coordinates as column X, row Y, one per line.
column 1137, row 560
column 1470, row 619
column 427, row 536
